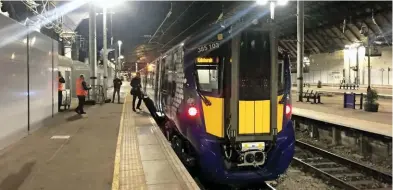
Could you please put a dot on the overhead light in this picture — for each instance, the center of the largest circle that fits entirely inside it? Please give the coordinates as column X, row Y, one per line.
column 282, row 2
column 262, row 2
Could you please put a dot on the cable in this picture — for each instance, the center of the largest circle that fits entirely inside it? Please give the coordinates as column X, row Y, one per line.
column 186, row 29
column 177, row 19
column 167, row 16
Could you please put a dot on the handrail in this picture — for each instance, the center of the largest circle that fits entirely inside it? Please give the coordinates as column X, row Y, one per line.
column 98, row 94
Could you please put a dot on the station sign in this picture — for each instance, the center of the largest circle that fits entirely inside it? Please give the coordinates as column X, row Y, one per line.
column 207, row 60
column 375, row 52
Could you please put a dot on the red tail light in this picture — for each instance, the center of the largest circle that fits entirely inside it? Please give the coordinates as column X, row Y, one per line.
column 288, row 111
column 192, row 111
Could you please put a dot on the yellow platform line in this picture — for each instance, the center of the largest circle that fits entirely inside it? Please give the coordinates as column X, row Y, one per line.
column 116, row 170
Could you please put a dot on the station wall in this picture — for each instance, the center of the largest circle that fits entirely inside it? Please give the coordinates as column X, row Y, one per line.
column 28, row 83
column 329, row 67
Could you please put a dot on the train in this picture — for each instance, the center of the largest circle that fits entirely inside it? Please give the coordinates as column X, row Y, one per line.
column 210, row 95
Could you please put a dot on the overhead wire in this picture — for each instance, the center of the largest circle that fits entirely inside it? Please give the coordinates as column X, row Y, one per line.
column 166, row 17
column 177, row 18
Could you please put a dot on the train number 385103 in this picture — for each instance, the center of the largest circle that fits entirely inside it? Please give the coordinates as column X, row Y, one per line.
column 208, row 47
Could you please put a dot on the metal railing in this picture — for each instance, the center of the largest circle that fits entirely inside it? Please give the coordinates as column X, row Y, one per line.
column 97, row 94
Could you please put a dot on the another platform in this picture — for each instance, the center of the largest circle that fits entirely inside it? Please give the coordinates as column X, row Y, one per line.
column 332, row 111
column 382, row 92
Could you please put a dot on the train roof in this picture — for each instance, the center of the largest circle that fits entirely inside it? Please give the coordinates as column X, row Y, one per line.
column 236, row 22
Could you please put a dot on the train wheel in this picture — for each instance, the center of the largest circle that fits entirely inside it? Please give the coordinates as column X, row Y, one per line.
column 177, row 145
column 168, row 131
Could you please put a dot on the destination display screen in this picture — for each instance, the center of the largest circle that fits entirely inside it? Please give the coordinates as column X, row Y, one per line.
column 207, row 60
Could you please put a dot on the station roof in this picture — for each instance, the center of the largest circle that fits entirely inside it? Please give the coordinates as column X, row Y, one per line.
column 328, row 25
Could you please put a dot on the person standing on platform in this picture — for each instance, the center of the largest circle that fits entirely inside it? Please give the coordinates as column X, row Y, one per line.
column 116, row 89
column 81, row 92
column 60, row 87
column 136, row 91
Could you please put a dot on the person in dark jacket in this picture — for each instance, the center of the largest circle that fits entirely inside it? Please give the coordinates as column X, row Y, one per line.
column 81, row 92
column 60, row 89
column 136, row 91
column 116, row 89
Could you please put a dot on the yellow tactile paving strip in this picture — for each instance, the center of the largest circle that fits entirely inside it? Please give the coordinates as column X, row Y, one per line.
column 128, row 170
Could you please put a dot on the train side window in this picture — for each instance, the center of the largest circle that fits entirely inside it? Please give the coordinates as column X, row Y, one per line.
column 164, row 74
column 280, row 76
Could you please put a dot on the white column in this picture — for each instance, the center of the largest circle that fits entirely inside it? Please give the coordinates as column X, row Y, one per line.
column 105, row 58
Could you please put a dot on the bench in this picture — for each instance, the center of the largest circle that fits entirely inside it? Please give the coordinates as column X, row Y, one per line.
column 314, row 96
column 347, row 86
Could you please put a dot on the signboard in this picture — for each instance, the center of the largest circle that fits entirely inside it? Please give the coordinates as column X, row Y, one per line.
column 375, row 52
column 349, row 100
column 206, row 60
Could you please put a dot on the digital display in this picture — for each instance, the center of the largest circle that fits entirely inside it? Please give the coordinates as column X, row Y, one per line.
column 205, row 60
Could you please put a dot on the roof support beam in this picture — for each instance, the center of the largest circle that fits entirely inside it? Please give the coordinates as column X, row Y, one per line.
column 320, row 40
column 311, row 46
column 369, row 27
column 334, row 38
column 321, row 48
column 287, row 48
column 289, row 44
column 316, row 48
column 357, row 35
column 338, row 32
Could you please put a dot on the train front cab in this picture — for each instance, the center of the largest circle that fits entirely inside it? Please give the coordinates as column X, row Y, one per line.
column 246, row 151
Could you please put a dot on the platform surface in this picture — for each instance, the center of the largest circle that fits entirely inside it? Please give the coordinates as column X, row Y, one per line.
column 145, row 159
column 73, row 152
column 332, row 111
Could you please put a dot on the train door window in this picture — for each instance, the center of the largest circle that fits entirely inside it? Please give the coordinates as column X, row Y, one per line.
column 280, row 76
column 164, row 74
column 67, row 78
column 208, row 77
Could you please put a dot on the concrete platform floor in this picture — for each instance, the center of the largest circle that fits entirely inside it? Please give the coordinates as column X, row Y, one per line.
column 84, row 161
column 334, row 105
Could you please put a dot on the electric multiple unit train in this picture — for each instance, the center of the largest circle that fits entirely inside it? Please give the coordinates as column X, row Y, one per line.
column 211, row 97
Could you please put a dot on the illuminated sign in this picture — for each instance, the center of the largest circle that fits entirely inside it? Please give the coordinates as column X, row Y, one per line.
column 204, row 60
column 220, row 37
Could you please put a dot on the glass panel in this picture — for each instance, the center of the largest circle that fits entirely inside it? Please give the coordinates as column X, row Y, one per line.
column 208, row 78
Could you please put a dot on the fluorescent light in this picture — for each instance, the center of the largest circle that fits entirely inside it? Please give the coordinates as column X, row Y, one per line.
column 282, row 2
column 261, row 2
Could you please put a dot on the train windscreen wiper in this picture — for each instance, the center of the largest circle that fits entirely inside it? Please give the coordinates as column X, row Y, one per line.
column 204, row 98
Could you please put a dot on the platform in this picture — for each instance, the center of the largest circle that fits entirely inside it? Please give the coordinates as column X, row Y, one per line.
column 83, row 153
column 332, row 111
column 382, row 92
column 144, row 158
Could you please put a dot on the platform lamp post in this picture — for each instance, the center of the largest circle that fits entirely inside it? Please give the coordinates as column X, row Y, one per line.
column 274, row 62
column 118, row 57
column 366, row 32
column 105, row 5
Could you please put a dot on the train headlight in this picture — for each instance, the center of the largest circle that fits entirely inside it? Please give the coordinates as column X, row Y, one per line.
column 192, row 111
column 250, row 158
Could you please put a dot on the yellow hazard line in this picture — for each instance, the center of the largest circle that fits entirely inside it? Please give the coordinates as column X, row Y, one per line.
column 116, row 170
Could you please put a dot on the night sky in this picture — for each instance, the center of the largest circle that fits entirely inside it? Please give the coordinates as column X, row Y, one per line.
column 134, row 19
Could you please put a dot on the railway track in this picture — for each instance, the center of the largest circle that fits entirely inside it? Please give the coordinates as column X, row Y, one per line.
column 339, row 171
column 205, row 186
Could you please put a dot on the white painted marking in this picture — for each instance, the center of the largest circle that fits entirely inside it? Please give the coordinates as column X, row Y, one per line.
column 60, row 137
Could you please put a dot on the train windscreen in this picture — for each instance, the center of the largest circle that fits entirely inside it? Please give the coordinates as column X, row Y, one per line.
column 255, row 63
column 207, row 70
